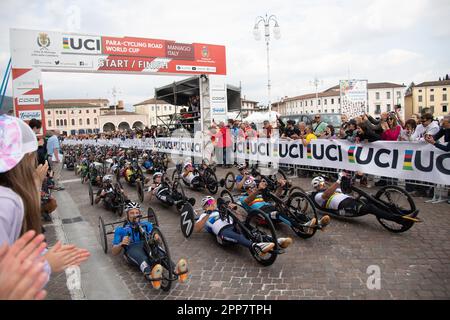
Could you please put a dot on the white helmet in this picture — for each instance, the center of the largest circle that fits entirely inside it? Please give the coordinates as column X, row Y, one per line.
column 132, row 205
column 241, row 166
column 317, row 181
column 107, row 178
column 187, row 164
column 249, row 182
column 206, row 199
column 157, row 174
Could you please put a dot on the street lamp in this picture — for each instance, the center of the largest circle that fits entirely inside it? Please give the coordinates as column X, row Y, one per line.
column 257, row 34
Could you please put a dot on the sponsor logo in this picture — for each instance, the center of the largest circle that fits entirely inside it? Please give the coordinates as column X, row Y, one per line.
column 196, row 68
column 205, row 52
column 43, row 40
column 218, row 99
column 81, row 44
column 31, row 99
column 28, row 115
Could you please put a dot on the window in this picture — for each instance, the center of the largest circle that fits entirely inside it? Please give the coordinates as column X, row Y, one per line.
column 306, row 103
column 95, row 110
column 432, row 97
column 73, row 122
column 80, row 122
column 326, row 110
column 332, row 101
column 165, row 108
column 95, row 121
column 64, row 111
column 79, row 112
column 57, row 122
column 71, row 112
column 318, row 102
column 377, row 109
column 420, row 90
column 88, row 121
column 444, row 89
column 87, row 111
column 444, row 108
column 158, row 108
column 388, row 107
column 432, row 109
column 432, row 90
column 420, row 109
column 49, row 123
column 399, row 94
column 377, row 96
column 325, row 101
column 332, row 110
column 339, row 100
column 444, row 97
column 153, row 108
column 388, row 95
column 65, row 122
column 420, row 98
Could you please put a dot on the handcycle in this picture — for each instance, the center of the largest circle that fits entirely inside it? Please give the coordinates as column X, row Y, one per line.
column 298, row 210
column 255, row 225
column 117, row 202
column 155, row 245
column 392, row 199
column 207, row 176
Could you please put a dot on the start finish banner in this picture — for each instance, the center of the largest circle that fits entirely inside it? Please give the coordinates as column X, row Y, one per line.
column 402, row 160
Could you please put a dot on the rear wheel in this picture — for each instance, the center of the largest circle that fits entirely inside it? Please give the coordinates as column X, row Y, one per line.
column 211, row 181
column 229, row 181
column 303, row 210
column 262, row 232
column 152, row 218
column 400, row 203
column 178, row 194
column 227, row 196
column 140, row 190
column 102, row 235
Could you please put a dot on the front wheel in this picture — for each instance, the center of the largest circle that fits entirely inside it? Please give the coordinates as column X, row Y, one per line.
column 140, row 190
column 211, row 181
column 262, row 230
column 302, row 209
column 161, row 254
column 400, row 203
column 229, row 181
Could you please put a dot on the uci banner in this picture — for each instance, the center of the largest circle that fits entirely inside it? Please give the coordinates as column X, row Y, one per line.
column 403, row 160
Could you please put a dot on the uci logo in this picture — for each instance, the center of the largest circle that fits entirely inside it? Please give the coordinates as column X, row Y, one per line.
column 82, row 44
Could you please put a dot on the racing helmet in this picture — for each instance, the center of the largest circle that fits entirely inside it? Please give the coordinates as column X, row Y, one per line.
column 206, row 199
column 249, row 183
column 157, row 174
column 186, row 164
column 132, row 205
column 107, row 178
column 241, row 166
column 145, row 156
column 317, row 181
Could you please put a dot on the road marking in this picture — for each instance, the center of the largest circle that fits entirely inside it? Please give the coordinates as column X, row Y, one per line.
column 71, row 180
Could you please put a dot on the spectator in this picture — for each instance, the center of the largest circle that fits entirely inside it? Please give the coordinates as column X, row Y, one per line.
column 444, row 131
column 19, row 193
column 281, row 126
column 309, row 136
column 318, row 126
column 365, row 133
column 55, row 158
column 329, row 133
column 291, row 131
column 391, row 130
column 427, row 126
column 374, row 124
column 267, row 129
column 343, row 126
column 351, row 132
column 407, row 132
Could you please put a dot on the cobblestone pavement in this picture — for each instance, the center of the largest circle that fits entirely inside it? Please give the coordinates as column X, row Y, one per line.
column 331, row 265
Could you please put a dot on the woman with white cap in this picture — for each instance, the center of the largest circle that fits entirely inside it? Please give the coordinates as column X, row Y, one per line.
column 20, row 197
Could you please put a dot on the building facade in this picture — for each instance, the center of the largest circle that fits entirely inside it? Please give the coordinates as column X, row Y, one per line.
column 432, row 96
column 156, row 111
column 382, row 97
column 74, row 116
column 122, row 120
column 248, row 107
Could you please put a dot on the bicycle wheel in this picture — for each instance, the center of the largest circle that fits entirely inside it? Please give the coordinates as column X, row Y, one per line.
column 102, row 235
column 262, row 232
column 400, row 203
column 301, row 209
column 211, row 181
column 295, row 189
column 140, row 190
column 91, row 193
column 120, row 207
column 227, row 196
column 229, row 181
column 151, row 217
column 161, row 254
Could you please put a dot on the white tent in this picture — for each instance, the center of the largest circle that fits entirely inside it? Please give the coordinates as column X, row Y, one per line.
column 260, row 117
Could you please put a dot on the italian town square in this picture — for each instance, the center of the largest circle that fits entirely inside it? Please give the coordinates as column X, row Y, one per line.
column 226, row 155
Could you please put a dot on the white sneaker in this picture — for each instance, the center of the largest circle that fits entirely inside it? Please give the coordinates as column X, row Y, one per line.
column 284, row 242
column 310, row 224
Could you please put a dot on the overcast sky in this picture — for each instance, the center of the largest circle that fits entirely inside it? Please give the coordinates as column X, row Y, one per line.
column 384, row 40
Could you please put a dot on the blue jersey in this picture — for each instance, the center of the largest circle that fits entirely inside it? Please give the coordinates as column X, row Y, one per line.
column 257, row 203
column 239, row 178
column 148, row 164
column 127, row 230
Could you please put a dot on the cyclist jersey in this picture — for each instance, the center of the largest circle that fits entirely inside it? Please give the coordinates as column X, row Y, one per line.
column 214, row 224
column 333, row 202
column 128, row 173
column 127, row 230
column 148, row 164
column 257, row 203
column 239, row 178
column 188, row 179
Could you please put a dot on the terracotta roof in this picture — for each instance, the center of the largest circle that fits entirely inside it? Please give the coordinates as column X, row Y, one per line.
column 76, row 101
column 69, row 105
column 150, row 101
column 434, row 83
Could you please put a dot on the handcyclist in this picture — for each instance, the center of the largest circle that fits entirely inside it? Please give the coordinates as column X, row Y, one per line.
column 332, row 197
column 253, row 199
column 147, row 163
column 242, row 176
column 106, row 193
column 160, row 189
column 189, row 177
column 128, row 240
column 224, row 230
